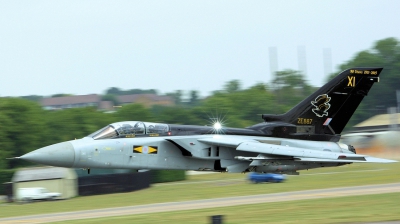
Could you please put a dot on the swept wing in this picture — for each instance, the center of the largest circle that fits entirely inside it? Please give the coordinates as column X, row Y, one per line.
column 267, row 150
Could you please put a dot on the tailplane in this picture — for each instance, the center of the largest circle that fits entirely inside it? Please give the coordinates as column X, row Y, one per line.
column 324, row 114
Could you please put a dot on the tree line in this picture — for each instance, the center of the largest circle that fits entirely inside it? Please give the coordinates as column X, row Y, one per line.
column 25, row 126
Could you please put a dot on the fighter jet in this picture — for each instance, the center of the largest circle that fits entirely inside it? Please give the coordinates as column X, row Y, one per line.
column 305, row 137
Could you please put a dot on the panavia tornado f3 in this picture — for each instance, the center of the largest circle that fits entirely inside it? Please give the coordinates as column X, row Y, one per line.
column 305, row 137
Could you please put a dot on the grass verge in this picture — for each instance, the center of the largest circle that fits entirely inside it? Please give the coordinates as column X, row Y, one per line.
column 368, row 208
column 217, row 185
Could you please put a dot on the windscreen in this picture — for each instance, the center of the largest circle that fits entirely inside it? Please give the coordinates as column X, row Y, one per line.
column 104, row 133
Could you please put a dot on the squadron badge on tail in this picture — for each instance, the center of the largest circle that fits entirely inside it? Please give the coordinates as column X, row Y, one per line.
column 321, row 104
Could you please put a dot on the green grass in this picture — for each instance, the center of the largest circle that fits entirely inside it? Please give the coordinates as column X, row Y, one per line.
column 218, row 185
column 368, row 208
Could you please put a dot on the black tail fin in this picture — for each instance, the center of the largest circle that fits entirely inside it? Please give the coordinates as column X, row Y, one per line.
column 326, row 112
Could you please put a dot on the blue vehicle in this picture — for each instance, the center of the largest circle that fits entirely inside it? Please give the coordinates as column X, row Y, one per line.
column 266, row 177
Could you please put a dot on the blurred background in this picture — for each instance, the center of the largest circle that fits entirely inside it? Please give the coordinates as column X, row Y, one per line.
column 69, row 68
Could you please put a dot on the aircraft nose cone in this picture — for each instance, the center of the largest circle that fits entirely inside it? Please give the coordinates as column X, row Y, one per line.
column 60, row 154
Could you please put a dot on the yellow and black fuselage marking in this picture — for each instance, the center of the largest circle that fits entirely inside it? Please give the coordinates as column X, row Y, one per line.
column 145, row 149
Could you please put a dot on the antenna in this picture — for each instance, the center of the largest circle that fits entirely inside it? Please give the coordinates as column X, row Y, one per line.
column 327, row 56
column 302, row 59
column 273, row 60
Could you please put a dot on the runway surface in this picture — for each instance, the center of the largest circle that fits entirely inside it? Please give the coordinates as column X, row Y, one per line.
column 207, row 203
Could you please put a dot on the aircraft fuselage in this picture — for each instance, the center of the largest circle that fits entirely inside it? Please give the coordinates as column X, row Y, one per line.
column 180, row 152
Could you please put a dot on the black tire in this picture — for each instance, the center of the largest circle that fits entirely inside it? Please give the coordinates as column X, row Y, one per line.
column 22, row 201
column 26, row 200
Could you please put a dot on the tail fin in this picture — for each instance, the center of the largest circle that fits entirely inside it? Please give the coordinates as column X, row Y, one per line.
column 326, row 112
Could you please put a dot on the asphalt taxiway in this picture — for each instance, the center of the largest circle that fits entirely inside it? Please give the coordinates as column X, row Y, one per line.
column 207, row 203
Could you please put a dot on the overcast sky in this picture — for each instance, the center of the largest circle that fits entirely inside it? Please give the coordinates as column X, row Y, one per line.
column 85, row 47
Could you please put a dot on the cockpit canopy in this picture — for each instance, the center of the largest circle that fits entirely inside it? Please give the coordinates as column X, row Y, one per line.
column 130, row 129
